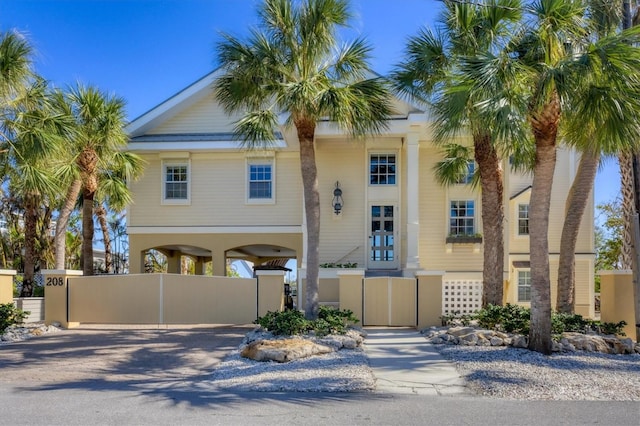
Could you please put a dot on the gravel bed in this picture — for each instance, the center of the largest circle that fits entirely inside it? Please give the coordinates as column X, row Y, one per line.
column 510, row 373
column 346, row 370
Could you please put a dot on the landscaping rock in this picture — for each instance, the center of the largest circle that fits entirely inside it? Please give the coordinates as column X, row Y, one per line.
column 569, row 341
column 496, row 341
column 519, row 341
column 283, row 350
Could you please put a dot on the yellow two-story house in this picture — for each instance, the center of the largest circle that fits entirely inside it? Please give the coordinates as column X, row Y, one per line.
column 205, row 197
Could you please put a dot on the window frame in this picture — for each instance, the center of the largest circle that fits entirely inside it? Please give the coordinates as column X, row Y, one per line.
column 466, row 217
column 520, row 219
column 386, row 174
column 525, row 286
column 260, row 161
column 176, row 162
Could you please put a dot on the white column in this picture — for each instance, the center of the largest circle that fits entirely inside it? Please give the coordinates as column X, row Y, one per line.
column 413, row 197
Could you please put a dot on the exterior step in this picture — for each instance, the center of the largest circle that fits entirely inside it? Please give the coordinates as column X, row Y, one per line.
column 370, row 273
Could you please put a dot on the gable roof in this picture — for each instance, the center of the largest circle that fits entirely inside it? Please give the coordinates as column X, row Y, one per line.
column 142, row 136
column 172, row 106
column 519, row 193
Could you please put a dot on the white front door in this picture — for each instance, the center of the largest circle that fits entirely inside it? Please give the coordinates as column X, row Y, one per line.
column 382, row 238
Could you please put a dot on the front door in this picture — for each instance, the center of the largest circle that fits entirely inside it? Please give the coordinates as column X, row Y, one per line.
column 382, row 249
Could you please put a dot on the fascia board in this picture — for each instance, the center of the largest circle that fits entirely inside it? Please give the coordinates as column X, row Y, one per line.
column 173, row 105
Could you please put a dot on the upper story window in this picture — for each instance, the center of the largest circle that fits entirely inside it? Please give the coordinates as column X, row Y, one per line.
column 467, row 176
column 382, row 169
column 523, row 219
column 176, row 185
column 462, row 218
column 524, row 286
column 260, row 180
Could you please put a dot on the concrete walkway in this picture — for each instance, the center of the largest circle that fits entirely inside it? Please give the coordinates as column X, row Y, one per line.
column 404, row 362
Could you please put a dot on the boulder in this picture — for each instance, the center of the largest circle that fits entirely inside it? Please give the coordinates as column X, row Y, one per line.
column 496, row 341
column 470, row 339
column 283, row 350
column 461, row 331
column 519, row 341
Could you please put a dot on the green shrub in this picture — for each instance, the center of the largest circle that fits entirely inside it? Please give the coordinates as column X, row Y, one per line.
column 285, row 323
column 489, row 317
column 291, row 322
column 561, row 323
column 10, row 315
column 509, row 318
column 332, row 321
column 612, row 328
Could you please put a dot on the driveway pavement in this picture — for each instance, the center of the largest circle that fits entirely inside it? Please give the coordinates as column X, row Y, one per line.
column 118, row 356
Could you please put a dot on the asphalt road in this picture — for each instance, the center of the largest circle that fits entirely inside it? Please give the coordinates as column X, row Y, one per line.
column 131, row 376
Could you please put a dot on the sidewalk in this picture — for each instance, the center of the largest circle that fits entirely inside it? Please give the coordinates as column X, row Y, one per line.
column 404, row 362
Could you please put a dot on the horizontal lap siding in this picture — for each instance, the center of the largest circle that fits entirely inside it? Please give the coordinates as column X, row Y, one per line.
column 205, row 116
column 341, row 237
column 218, row 195
column 434, row 220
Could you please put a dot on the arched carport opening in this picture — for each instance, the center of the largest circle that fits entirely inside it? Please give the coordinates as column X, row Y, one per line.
column 178, row 259
column 264, row 256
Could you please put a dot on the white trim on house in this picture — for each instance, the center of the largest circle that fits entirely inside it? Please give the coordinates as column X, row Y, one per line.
column 206, row 145
column 172, row 106
column 262, row 160
column 179, row 162
column 291, row 229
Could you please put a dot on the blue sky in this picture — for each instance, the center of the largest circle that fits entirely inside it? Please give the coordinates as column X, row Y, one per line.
column 147, row 50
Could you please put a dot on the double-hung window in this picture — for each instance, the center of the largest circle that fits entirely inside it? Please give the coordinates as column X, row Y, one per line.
column 523, row 219
column 524, row 285
column 260, row 180
column 462, row 218
column 175, row 185
column 382, row 169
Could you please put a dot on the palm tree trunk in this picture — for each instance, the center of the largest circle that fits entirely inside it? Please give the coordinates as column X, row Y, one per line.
column 545, row 129
column 87, row 233
column 30, row 223
column 492, row 220
column 312, row 211
column 60, row 238
column 576, row 205
column 101, row 214
column 628, row 209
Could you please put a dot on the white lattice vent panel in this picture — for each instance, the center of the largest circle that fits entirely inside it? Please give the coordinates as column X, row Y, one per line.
column 461, row 296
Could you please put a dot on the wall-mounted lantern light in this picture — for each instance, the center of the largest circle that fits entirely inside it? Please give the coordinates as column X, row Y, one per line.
column 337, row 202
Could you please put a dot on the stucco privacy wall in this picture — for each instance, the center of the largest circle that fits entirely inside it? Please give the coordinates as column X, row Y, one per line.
column 163, row 299
column 617, row 299
column 6, row 285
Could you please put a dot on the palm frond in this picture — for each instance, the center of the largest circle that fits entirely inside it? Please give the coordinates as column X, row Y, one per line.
column 256, row 129
column 454, row 164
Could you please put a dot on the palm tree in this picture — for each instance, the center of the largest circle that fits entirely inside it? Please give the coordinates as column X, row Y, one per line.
column 604, row 18
column 113, row 194
column 543, row 77
column 98, row 135
column 15, row 68
column 33, row 139
column 431, row 72
column 292, row 64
